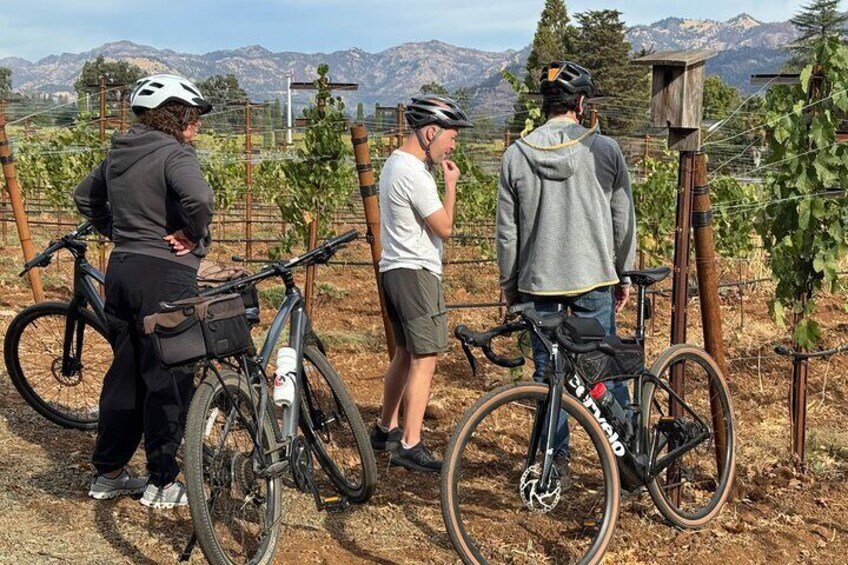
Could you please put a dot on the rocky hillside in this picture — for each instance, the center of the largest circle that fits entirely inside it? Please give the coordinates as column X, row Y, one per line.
column 745, row 44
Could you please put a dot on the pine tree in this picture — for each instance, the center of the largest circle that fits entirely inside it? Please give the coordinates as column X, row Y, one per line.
column 5, row 81
column 817, row 21
column 604, row 51
column 554, row 41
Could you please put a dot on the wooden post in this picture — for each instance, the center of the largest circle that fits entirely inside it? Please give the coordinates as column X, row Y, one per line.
column 101, row 241
column 507, row 139
column 800, row 367
column 593, row 118
column 102, row 109
column 680, row 295
column 310, row 270
column 798, row 402
column 14, row 191
column 248, row 202
column 124, row 104
column 705, row 262
column 368, row 191
column 399, row 120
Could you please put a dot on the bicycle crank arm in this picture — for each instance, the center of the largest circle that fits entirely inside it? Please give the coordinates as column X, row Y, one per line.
column 274, row 470
column 330, row 503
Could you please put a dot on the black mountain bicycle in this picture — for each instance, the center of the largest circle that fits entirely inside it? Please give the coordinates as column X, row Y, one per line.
column 56, row 352
column 504, row 494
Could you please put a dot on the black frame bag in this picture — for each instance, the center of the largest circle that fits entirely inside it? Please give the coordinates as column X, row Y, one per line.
column 200, row 328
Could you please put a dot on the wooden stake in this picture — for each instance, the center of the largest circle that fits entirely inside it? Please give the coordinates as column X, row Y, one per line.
column 310, row 270
column 368, row 191
column 14, row 191
column 248, row 209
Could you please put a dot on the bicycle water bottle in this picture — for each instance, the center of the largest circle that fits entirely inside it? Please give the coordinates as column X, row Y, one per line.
column 609, row 405
column 284, row 376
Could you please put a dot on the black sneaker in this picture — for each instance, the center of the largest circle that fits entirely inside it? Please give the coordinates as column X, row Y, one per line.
column 386, row 441
column 416, row 458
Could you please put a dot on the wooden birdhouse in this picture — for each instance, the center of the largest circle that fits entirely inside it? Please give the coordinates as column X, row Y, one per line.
column 677, row 95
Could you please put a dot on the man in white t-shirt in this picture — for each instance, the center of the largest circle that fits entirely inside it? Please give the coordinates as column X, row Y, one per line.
column 413, row 224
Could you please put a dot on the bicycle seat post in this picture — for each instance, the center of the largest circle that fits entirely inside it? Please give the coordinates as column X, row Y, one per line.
column 641, row 313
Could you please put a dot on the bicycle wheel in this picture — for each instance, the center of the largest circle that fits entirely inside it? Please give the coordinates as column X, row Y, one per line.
column 333, row 426
column 490, row 505
column 63, row 389
column 693, row 489
column 236, row 514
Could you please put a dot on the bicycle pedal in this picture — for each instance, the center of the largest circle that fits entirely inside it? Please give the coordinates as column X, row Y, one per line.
column 334, row 504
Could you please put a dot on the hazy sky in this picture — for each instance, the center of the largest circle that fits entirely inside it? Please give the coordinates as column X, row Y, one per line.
column 36, row 28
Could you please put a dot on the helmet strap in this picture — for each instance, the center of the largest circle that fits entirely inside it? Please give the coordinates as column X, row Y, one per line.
column 425, row 145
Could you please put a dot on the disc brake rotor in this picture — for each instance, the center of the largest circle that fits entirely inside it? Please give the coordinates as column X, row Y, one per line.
column 536, row 499
column 73, row 379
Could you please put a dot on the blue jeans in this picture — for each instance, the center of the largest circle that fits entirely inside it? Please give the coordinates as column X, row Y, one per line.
column 598, row 304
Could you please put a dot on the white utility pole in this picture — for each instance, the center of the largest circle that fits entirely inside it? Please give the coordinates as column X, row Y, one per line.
column 289, row 107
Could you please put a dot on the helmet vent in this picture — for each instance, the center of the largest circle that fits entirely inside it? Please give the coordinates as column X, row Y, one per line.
column 190, row 89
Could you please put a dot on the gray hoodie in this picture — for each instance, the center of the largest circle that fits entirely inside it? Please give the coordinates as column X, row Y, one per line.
column 565, row 222
column 149, row 186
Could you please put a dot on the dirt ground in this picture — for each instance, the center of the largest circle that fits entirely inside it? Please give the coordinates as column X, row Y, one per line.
column 776, row 516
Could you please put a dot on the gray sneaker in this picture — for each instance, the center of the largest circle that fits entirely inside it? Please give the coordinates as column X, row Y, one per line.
column 104, row 488
column 165, row 497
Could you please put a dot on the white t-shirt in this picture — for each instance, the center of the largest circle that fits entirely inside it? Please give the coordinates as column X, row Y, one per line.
column 407, row 196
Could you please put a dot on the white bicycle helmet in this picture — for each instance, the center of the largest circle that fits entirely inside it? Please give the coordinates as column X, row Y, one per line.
column 155, row 90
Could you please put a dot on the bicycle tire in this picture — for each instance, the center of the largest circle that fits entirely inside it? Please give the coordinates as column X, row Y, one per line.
column 717, row 391
column 467, row 428
column 28, row 383
column 331, row 406
column 230, row 469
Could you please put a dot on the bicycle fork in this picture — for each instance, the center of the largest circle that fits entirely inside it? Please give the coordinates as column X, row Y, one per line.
column 547, row 418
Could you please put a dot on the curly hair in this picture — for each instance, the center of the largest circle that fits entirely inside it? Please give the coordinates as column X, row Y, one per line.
column 171, row 118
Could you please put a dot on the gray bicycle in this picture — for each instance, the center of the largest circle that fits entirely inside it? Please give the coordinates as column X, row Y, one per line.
column 239, row 445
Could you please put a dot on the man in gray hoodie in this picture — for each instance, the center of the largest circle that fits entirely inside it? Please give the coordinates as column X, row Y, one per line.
column 566, row 226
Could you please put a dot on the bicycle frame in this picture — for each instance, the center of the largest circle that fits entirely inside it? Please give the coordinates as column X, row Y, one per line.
column 638, row 461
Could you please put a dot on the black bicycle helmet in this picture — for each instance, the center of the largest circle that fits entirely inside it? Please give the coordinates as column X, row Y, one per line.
column 439, row 110
column 566, row 80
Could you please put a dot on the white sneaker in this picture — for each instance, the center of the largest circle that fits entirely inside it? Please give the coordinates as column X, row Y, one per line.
column 104, row 488
column 165, row 497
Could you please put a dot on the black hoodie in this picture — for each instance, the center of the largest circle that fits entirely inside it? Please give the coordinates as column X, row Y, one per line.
column 149, row 186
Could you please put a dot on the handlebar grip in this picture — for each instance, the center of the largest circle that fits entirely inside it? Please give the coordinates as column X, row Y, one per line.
column 469, row 337
column 344, row 238
column 500, row 360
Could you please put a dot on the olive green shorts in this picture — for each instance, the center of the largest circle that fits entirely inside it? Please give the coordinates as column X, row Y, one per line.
column 415, row 304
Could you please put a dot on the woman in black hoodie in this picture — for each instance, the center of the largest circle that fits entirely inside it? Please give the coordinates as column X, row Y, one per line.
column 150, row 199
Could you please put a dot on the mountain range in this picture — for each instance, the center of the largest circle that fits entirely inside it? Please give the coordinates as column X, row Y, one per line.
column 744, row 45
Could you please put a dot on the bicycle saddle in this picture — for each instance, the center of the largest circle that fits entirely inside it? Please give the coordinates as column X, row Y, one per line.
column 647, row 277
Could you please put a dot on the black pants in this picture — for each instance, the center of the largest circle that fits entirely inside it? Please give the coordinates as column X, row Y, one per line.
column 141, row 396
